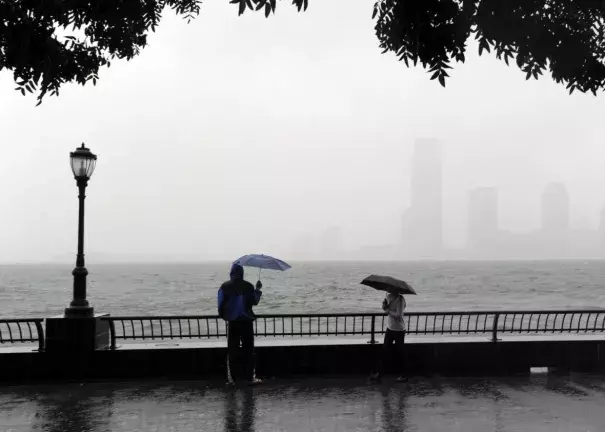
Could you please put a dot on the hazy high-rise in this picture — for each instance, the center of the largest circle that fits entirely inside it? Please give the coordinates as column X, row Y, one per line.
column 423, row 224
column 483, row 219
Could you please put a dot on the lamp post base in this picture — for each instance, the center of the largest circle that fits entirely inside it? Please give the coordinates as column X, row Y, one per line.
column 79, row 312
column 66, row 334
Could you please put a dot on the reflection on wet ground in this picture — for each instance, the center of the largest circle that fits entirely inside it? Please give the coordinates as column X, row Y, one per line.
column 536, row 403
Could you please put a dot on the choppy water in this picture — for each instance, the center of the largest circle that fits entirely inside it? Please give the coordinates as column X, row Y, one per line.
column 45, row 290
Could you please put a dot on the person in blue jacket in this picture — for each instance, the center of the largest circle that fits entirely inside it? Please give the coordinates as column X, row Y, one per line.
column 236, row 297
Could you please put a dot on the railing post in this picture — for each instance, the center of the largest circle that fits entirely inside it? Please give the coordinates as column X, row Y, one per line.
column 495, row 327
column 373, row 330
column 112, row 334
column 40, row 336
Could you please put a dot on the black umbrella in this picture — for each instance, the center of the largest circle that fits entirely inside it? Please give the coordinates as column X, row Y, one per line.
column 385, row 283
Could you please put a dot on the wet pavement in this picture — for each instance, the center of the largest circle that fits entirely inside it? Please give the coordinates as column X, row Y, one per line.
column 536, row 403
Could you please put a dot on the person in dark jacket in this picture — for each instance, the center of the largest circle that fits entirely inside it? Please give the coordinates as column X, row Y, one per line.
column 236, row 297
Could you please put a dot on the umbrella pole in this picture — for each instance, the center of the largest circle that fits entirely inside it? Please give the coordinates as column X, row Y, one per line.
column 259, row 270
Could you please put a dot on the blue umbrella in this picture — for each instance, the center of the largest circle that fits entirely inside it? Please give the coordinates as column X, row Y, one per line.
column 262, row 262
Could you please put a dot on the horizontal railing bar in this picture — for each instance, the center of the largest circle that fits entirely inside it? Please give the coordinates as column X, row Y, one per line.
column 370, row 314
column 20, row 320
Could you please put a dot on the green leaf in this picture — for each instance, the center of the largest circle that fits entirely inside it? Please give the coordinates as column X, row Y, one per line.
column 267, row 10
column 442, row 80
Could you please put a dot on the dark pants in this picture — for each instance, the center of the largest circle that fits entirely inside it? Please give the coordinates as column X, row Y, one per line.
column 392, row 352
column 240, row 357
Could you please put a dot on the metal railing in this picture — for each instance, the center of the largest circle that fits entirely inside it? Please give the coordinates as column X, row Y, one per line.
column 491, row 323
column 22, row 331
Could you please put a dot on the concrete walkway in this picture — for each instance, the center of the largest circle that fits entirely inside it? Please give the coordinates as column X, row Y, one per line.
column 537, row 403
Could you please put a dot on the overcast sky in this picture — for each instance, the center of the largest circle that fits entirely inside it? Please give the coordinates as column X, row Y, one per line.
column 233, row 135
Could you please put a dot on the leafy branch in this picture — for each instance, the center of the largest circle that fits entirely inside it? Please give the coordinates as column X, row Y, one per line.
column 47, row 43
column 563, row 37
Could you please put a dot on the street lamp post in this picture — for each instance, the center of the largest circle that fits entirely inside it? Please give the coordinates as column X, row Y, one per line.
column 83, row 163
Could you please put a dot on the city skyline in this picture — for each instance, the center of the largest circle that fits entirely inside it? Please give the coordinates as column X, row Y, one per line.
column 422, row 226
column 422, row 223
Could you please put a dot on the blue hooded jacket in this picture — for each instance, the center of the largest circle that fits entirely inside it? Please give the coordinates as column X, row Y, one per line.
column 236, row 297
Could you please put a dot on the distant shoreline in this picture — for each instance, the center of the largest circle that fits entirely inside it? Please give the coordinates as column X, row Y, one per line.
column 317, row 261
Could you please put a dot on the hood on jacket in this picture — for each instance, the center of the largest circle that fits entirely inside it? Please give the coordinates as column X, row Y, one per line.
column 237, row 272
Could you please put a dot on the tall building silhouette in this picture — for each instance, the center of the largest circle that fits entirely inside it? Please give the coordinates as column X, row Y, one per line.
column 422, row 222
column 555, row 219
column 483, row 220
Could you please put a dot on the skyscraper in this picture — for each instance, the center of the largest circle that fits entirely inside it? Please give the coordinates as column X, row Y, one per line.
column 483, row 220
column 423, row 230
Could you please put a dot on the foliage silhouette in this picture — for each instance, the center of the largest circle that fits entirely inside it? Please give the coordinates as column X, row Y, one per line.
column 47, row 43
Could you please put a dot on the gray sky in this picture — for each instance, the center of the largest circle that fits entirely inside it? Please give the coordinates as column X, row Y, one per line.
column 234, row 135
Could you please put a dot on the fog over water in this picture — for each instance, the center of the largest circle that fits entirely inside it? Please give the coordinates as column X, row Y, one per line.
column 233, row 135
